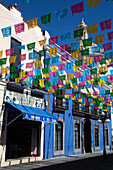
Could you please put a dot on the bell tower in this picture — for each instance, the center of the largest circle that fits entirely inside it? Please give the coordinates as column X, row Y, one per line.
column 85, row 34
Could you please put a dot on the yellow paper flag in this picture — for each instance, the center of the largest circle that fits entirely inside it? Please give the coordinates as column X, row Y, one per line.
column 93, row 3
column 99, row 39
column 53, row 69
column 1, row 52
column 46, row 75
column 42, row 42
column 22, row 74
column 17, row 80
column 67, row 81
column 92, row 29
column 70, row 76
column 75, row 54
column 53, row 51
column 32, row 23
column 75, row 87
column 38, row 64
column 41, row 83
column 12, row 59
column 75, row 68
column 4, row 70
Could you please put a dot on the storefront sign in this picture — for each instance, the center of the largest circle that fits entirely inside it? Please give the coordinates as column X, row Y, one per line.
column 24, row 99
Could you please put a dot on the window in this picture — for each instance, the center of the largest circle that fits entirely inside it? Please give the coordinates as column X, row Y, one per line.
column 96, row 135
column 58, row 142
column 106, row 136
column 59, row 136
column 77, row 136
column 16, row 52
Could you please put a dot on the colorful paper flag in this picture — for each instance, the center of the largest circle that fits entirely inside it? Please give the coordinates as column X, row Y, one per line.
column 75, row 54
column 12, row 59
column 32, row 55
column 9, row 52
column 92, row 29
column 42, row 53
column 22, row 57
column 19, row 28
column 55, row 59
column 85, row 52
column 65, row 36
column 3, row 61
column 93, row 3
column 42, row 42
column 107, row 46
column 61, row 67
column 64, row 48
column 53, row 40
column 78, row 33
column 75, row 45
column 38, row 64
column 1, row 52
column 77, row 8
column 105, row 25
column 32, row 23
column 30, row 73
column 4, row 70
column 110, row 35
column 99, row 39
column 30, row 46
column 61, row 13
column 6, row 32
column 29, row 65
column 26, row 1
column 65, row 57
column 21, row 47
column 47, row 61
column 87, row 42
column 53, row 51
column 95, row 49
column 46, row 18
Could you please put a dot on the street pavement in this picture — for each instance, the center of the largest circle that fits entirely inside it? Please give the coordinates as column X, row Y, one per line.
column 91, row 161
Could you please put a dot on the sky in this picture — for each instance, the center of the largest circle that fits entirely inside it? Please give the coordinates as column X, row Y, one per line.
column 38, row 8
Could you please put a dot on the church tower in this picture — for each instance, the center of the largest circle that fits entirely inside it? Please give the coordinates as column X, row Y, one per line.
column 85, row 34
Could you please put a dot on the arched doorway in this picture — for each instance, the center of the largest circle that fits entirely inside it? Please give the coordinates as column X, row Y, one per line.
column 87, row 135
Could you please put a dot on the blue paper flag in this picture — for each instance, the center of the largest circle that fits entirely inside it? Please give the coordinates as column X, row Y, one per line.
column 61, row 13
column 75, row 45
column 95, row 49
column 28, row 83
column 6, row 32
column 32, row 55
column 37, row 72
column 20, row 65
column 7, row 76
column 21, row 47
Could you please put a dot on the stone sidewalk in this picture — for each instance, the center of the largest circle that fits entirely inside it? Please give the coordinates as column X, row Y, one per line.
column 91, row 161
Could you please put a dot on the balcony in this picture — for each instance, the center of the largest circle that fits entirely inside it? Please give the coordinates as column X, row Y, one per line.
column 85, row 111
column 60, row 104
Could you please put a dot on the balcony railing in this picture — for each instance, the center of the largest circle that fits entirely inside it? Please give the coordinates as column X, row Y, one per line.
column 60, row 104
column 82, row 111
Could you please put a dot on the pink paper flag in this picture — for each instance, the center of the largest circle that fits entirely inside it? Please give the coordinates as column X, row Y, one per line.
column 95, row 93
column 9, row 52
column 105, row 24
column 60, row 82
column 54, row 87
column 52, row 73
column 19, row 28
column 77, row 8
column 65, row 57
column 89, row 77
column 81, row 84
column 107, row 46
column 61, row 67
column 47, row 79
column 53, row 40
column 84, row 66
column 64, row 48
column 30, row 73
column 97, row 58
column 72, row 96
column 77, row 74
column 110, row 35
column 22, row 57
column 29, row 65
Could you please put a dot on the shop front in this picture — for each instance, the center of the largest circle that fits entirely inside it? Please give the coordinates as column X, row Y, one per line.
column 24, row 129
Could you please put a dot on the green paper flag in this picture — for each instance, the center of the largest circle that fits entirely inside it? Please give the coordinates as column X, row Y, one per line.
column 93, row 71
column 103, row 61
column 46, row 61
column 39, row 77
column 104, row 106
column 85, row 52
column 83, row 95
column 107, row 91
column 48, row 84
column 78, row 33
column 78, row 63
column 3, row 61
column 61, row 96
column 35, row 82
column 45, row 70
column 108, row 83
column 31, row 46
column 74, row 80
column 15, row 75
column 63, row 77
column 12, row 69
column 67, row 86
column 42, row 53
column 46, row 18
column 87, row 42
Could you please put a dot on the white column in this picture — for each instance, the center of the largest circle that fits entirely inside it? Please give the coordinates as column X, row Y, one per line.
column 42, row 141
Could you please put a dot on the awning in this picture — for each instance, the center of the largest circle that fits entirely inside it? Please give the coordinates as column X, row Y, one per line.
column 33, row 113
